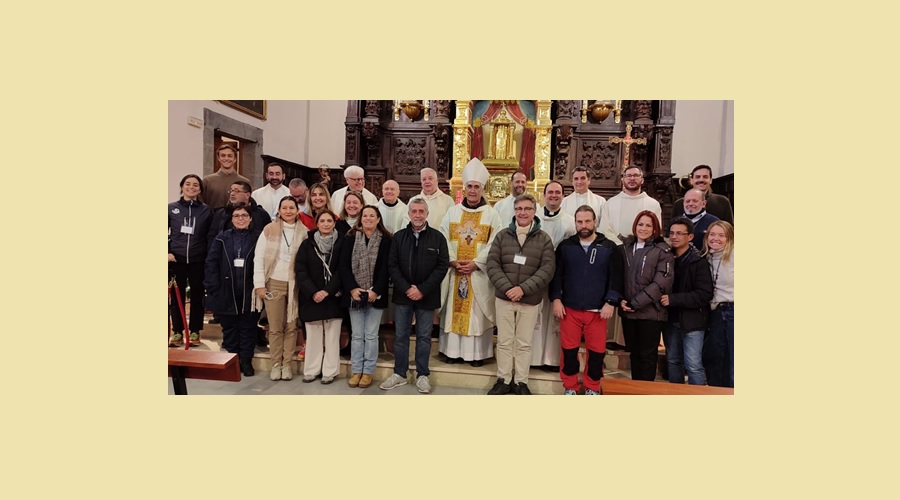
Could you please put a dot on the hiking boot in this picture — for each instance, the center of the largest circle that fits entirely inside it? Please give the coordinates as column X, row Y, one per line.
column 365, row 381
column 176, row 340
column 499, row 388
column 393, row 381
column 275, row 374
column 195, row 339
column 423, row 385
column 354, row 380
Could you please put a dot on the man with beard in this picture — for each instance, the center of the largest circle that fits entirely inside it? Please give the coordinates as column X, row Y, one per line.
column 298, row 190
column 617, row 215
column 716, row 204
column 517, row 184
column 695, row 210
column 559, row 225
column 216, row 185
column 468, row 307
column 238, row 194
column 581, row 181
column 271, row 194
column 585, row 291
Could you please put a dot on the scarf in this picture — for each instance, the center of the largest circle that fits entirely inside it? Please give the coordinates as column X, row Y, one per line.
column 695, row 217
column 364, row 258
column 324, row 246
column 273, row 233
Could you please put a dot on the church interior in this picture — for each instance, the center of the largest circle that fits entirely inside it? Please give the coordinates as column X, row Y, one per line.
column 395, row 139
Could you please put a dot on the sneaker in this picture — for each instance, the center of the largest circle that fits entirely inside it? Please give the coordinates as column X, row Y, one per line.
column 522, row 389
column 500, row 388
column 308, row 378
column 393, row 381
column 365, row 381
column 327, row 380
column 275, row 374
column 423, row 385
column 176, row 340
column 195, row 339
column 286, row 372
column 354, row 380
column 570, row 392
column 591, row 392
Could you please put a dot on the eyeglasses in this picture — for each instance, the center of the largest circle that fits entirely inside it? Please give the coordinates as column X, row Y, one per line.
column 678, row 233
column 524, row 209
column 240, row 216
column 632, row 176
column 356, row 178
column 237, row 191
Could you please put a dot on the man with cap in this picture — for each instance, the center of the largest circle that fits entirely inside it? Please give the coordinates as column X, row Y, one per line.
column 467, row 317
column 356, row 181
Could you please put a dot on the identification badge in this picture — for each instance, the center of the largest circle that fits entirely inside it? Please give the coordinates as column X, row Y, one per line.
column 238, row 262
column 285, row 257
column 519, row 259
column 187, row 229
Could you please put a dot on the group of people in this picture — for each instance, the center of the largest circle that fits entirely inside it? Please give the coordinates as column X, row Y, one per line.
column 547, row 276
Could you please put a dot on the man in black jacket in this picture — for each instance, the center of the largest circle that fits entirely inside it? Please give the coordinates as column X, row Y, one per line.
column 417, row 264
column 688, row 306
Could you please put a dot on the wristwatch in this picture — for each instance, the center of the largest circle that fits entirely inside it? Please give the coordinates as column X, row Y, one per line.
column 612, row 302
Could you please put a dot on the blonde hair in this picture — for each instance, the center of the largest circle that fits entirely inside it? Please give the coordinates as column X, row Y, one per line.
column 309, row 207
column 729, row 236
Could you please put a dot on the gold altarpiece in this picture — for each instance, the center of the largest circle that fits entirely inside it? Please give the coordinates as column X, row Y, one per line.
column 501, row 156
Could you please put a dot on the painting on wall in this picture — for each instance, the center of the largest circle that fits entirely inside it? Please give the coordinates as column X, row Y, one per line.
column 253, row 108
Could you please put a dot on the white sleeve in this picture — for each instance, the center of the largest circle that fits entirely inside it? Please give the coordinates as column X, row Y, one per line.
column 259, row 273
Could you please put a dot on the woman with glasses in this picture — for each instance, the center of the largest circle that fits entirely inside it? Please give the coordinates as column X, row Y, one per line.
column 649, row 274
column 319, row 281
column 364, row 264
column 274, row 282
column 718, row 351
column 229, row 284
column 189, row 222
column 353, row 203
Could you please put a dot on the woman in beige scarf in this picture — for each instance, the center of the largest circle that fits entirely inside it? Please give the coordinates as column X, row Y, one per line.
column 273, row 280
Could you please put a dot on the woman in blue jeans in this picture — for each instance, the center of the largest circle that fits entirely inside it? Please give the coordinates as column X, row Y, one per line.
column 718, row 350
column 688, row 306
column 364, row 268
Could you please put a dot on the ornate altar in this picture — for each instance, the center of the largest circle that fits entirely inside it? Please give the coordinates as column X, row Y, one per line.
column 547, row 139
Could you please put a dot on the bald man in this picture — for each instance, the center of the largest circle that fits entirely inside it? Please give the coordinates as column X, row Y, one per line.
column 438, row 202
column 393, row 210
column 695, row 210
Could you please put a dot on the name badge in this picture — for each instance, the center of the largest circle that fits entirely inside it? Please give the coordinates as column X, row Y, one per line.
column 519, row 259
column 238, row 262
column 187, row 229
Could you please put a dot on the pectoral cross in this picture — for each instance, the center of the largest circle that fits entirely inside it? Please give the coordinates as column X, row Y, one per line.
column 468, row 232
column 627, row 141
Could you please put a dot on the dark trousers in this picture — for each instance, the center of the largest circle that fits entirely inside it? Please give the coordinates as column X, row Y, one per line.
column 642, row 340
column 188, row 273
column 718, row 347
column 403, row 316
column 239, row 333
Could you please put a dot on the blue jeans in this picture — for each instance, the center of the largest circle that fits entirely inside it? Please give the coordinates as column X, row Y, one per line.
column 403, row 316
column 364, row 341
column 718, row 352
column 684, row 352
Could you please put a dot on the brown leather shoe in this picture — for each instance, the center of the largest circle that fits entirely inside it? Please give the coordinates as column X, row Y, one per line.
column 365, row 381
column 354, row 380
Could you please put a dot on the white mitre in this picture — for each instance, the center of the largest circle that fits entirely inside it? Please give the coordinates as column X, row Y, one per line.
column 475, row 171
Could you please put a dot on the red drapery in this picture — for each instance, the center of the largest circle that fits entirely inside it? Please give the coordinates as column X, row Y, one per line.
column 526, row 156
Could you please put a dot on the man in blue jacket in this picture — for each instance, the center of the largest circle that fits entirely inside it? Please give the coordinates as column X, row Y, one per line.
column 418, row 262
column 584, row 291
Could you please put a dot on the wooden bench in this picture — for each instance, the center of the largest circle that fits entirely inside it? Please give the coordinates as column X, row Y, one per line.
column 204, row 365
column 616, row 386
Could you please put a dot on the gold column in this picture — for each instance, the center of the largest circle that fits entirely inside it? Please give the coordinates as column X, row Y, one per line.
column 543, row 132
column 462, row 138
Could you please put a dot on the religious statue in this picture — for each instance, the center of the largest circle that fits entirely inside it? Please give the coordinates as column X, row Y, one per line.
column 325, row 176
column 503, row 144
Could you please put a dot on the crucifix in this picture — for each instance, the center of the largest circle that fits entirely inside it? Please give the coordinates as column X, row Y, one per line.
column 627, row 141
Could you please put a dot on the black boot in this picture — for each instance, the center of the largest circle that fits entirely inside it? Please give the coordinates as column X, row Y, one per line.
column 247, row 367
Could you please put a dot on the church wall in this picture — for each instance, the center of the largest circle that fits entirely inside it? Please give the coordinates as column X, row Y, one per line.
column 704, row 134
column 326, row 133
column 285, row 135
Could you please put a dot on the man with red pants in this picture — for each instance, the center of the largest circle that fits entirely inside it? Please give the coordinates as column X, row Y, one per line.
column 585, row 289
